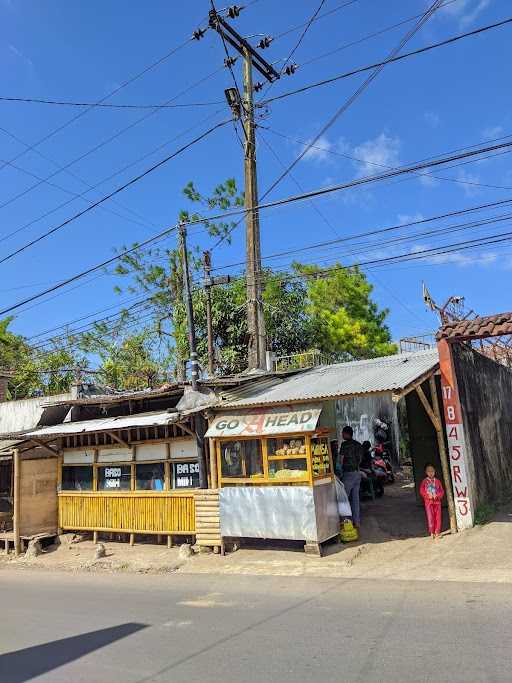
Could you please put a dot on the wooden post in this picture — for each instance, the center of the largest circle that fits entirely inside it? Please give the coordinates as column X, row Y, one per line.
column 213, row 464
column 435, row 418
column 132, row 539
column 445, row 465
column 94, row 537
column 16, row 511
column 169, row 541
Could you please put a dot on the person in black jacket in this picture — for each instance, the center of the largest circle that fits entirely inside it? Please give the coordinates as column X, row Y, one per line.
column 349, row 461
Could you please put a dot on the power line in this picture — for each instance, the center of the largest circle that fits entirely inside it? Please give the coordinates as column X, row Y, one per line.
column 374, row 163
column 389, row 60
column 129, row 81
column 378, row 231
column 321, row 16
column 279, row 202
column 368, row 36
column 113, row 193
column 107, row 178
column 348, row 103
column 116, row 135
column 92, row 105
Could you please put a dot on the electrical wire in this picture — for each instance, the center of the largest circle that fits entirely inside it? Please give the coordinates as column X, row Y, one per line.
column 119, row 189
column 388, row 60
column 275, row 203
column 102, row 144
column 348, row 103
column 69, row 103
column 109, row 177
column 120, row 87
column 321, row 16
column 366, row 162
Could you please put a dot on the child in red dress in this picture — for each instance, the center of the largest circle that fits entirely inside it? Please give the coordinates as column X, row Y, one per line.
column 431, row 490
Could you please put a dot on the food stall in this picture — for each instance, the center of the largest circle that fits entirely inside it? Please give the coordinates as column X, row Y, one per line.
column 275, row 474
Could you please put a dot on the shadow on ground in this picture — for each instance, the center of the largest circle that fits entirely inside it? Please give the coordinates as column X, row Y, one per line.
column 24, row 665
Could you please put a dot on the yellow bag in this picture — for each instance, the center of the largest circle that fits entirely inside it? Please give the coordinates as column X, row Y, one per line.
column 348, row 532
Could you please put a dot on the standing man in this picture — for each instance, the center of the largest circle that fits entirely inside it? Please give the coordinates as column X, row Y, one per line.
column 349, row 461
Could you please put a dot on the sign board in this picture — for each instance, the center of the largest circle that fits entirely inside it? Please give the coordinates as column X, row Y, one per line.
column 185, row 475
column 113, row 477
column 456, row 438
column 261, row 422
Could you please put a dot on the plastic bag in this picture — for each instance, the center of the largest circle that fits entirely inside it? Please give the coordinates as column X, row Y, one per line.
column 344, row 509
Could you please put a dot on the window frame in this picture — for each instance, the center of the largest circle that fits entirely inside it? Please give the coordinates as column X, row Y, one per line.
column 308, row 479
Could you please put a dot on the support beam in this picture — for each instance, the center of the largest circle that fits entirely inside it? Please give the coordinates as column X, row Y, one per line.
column 45, row 447
column 445, row 465
column 428, row 408
column 114, row 436
column 16, row 496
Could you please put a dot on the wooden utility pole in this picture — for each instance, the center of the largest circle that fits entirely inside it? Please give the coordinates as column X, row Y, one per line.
column 207, row 262
column 16, row 502
column 255, row 318
column 187, row 295
column 257, row 347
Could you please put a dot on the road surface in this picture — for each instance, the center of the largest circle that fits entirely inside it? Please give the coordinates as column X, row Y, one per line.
column 140, row 628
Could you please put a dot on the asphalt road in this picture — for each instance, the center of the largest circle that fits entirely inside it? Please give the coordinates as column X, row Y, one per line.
column 140, row 628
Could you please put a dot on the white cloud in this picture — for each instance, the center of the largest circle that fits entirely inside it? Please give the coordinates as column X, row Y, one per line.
column 320, row 150
column 432, row 118
column 465, row 11
column 16, row 52
column 427, row 180
column 465, row 260
column 404, row 218
column 492, row 132
column 380, row 152
column 471, row 179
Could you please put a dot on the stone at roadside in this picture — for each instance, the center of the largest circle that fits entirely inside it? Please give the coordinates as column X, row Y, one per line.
column 205, row 549
column 34, row 548
column 101, row 551
column 185, row 551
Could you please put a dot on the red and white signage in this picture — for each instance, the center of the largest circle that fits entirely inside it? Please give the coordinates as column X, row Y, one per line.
column 456, row 438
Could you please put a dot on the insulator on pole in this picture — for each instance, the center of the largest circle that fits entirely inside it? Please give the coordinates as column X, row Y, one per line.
column 234, row 11
column 291, row 69
column 229, row 61
column 258, row 86
column 265, row 42
column 197, row 35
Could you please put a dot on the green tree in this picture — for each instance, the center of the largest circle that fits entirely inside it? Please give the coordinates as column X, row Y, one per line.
column 344, row 318
column 34, row 371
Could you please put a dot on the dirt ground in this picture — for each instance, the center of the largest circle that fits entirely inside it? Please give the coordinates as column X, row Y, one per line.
column 393, row 545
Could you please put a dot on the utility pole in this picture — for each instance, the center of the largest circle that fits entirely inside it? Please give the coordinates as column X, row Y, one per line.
column 257, row 346
column 207, row 262
column 187, row 295
column 255, row 318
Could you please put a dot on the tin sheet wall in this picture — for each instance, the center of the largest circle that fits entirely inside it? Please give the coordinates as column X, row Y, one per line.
column 485, row 389
column 281, row 512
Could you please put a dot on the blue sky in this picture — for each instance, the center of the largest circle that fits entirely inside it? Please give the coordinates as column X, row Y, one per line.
column 443, row 100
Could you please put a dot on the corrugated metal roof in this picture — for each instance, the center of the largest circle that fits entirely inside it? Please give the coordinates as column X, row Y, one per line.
column 103, row 424
column 389, row 373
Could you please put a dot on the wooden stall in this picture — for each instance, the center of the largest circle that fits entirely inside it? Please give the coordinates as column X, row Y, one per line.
column 132, row 474
column 275, row 474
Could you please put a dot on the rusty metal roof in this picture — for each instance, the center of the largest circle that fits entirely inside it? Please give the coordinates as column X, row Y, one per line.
column 389, row 373
column 478, row 328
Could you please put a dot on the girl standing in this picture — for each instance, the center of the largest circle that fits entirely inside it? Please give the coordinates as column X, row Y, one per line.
column 431, row 490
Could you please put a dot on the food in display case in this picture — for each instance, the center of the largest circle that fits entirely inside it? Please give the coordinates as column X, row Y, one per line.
column 282, row 447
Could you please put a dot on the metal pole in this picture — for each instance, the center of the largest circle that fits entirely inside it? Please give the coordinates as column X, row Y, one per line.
column 187, row 295
column 209, row 323
column 255, row 320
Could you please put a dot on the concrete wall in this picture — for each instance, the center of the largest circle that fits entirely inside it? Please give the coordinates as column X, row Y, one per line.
column 38, row 496
column 360, row 413
column 485, row 389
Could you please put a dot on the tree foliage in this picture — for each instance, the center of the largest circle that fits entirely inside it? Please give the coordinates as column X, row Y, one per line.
column 34, row 372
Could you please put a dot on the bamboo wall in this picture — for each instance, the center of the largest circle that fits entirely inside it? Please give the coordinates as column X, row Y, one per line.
column 133, row 512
